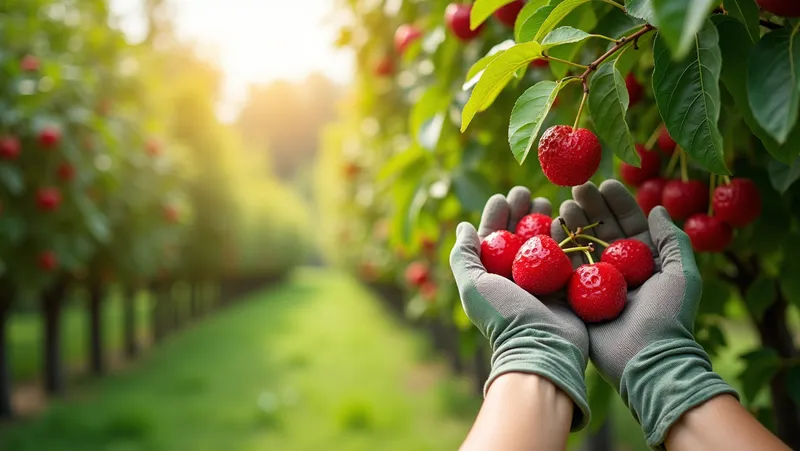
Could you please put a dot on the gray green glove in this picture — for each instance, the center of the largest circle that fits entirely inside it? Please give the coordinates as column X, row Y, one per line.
column 649, row 353
column 526, row 334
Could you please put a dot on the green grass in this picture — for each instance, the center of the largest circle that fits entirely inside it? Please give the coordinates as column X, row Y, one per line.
column 25, row 334
column 314, row 364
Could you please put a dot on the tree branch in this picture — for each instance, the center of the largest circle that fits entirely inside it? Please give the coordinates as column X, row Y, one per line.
column 622, row 42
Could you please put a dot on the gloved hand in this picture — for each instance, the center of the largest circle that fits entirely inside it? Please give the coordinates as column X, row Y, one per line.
column 648, row 354
column 527, row 335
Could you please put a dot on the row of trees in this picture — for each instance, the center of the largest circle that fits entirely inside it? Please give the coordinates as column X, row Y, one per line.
column 450, row 99
column 114, row 169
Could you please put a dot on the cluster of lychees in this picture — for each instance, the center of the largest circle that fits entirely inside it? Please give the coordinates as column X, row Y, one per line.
column 537, row 263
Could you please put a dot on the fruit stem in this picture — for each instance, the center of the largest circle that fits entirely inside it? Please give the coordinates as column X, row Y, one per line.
column 651, row 141
column 711, row 186
column 684, row 167
column 589, row 257
column 570, row 235
column 570, row 63
column 673, row 160
column 577, row 249
column 590, row 226
column 622, row 42
column 727, row 179
column 580, row 109
column 615, row 4
column 566, row 240
column 591, row 238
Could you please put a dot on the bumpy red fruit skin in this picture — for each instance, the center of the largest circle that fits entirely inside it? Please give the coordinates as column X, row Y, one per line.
column 48, row 199
column 456, row 16
column 708, row 233
column 683, row 199
column 651, row 165
column 417, row 274
column 404, row 36
column 665, row 142
column 541, row 267
column 29, row 63
column 49, row 137
column 66, row 172
column 534, row 224
column 507, row 14
column 783, row 8
column 632, row 258
column 649, row 194
column 737, row 203
column 597, row 292
column 9, row 148
column 635, row 89
column 569, row 157
column 498, row 251
column 48, row 261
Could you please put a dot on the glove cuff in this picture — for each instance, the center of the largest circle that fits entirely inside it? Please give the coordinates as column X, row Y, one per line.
column 664, row 380
column 549, row 356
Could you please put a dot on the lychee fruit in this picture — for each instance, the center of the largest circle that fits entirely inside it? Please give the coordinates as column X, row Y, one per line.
column 9, row 148
column 540, row 63
column 48, row 260
column 384, row 67
column 569, row 157
column 737, row 203
column 29, row 63
column 635, row 89
column 632, row 258
column 49, row 137
column 783, row 8
column 650, row 167
column 534, row 224
column 417, row 273
column 429, row 290
column 507, row 14
column 66, row 172
column 683, row 199
column 597, row 292
column 498, row 251
column 541, row 267
column 665, row 141
column 48, row 198
column 649, row 194
column 708, row 233
column 405, row 35
column 456, row 16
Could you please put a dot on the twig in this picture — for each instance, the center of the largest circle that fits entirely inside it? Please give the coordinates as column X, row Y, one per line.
column 622, row 42
column 767, row 24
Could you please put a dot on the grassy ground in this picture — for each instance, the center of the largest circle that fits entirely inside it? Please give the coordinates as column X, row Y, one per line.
column 315, row 364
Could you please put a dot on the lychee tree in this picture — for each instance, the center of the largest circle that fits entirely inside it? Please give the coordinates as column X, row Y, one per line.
column 693, row 104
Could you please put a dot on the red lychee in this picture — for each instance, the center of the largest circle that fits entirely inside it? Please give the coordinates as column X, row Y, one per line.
column 650, row 193
column 534, row 224
column 48, row 261
column 498, row 251
column 541, row 267
column 597, row 292
column 650, row 167
column 49, row 137
column 48, row 198
column 417, row 273
column 665, row 141
column 456, row 16
column 783, row 8
column 708, row 233
column 635, row 89
column 738, row 203
column 632, row 258
column 569, row 157
column 507, row 14
column 683, row 199
column 9, row 148
column 404, row 36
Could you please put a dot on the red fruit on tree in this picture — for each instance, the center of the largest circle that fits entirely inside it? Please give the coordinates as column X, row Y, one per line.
column 417, row 273
column 635, row 89
column 632, row 258
column 665, row 142
column 429, row 290
column 29, row 63
column 650, row 193
column 171, row 213
column 498, row 251
column 404, row 36
column 507, row 14
column 48, row 198
column 651, row 166
column 49, row 137
column 153, row 147
column 541, row 267
column 48, row 260
column 683, row 199
column 384, row 67
column 534, row 224
column 66, row 172
column 783, row 8
column 737, row 203
column 708, row 233
column 597, row 292
column 540, row 63
column 9, row 148
column 569, row 157
column 428, row 245
column 456, row 16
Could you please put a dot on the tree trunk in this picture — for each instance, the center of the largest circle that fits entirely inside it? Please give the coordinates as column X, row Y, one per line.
column 97, row 362
column 159, row 312
column 194, row 300
column 129, row 321
column 6, row 407
column 175, row 305
column 52, row 300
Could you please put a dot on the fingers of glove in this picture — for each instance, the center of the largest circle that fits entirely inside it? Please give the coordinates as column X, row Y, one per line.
column 465, row 260
column 542, row 206
column 594, row 206
column 672, row 243
column 495, row 216
column 519, row 202
column 574, row 217
column 626, row 210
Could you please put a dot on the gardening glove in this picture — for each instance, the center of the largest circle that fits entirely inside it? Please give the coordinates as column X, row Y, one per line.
column 648, row 354
column 527, row 335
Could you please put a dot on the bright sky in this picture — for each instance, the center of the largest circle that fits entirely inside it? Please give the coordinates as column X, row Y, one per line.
column 254, row 41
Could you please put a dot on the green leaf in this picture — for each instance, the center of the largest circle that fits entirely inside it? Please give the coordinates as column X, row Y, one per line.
column 733, row 43
column 472, row 189
column 759, row 296
column 525, row 13
column 793, row 383
column 402, row 162
column 783, row 176
column 528, row 115
column 13, row 178
column 496, row 76
column 608, row 104
column 482, row 9
column 434, row 101
column 746, row 12
column 760, row 367
column 790, row 268
column 773, row 82
column 679, row 21
column 481, row 64
column 533, row 24
column 557, row 15
column 641, row 9
column 582, row 19
column 688, row 97
column 564, row 35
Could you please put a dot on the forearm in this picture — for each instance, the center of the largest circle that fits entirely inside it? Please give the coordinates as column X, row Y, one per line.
column 720, row 423
column 522, row 412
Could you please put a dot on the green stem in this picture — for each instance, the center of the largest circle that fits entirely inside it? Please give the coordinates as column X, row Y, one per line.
column 570, row 63
column 589, row 257
column 684, row 167
column 651, row 141
column 577, row 249
column 610, row 2
column 580, row 109
column 591, row 238
column 727, row 179
column 672, row 162
column 590, row 226
column 566, row 240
